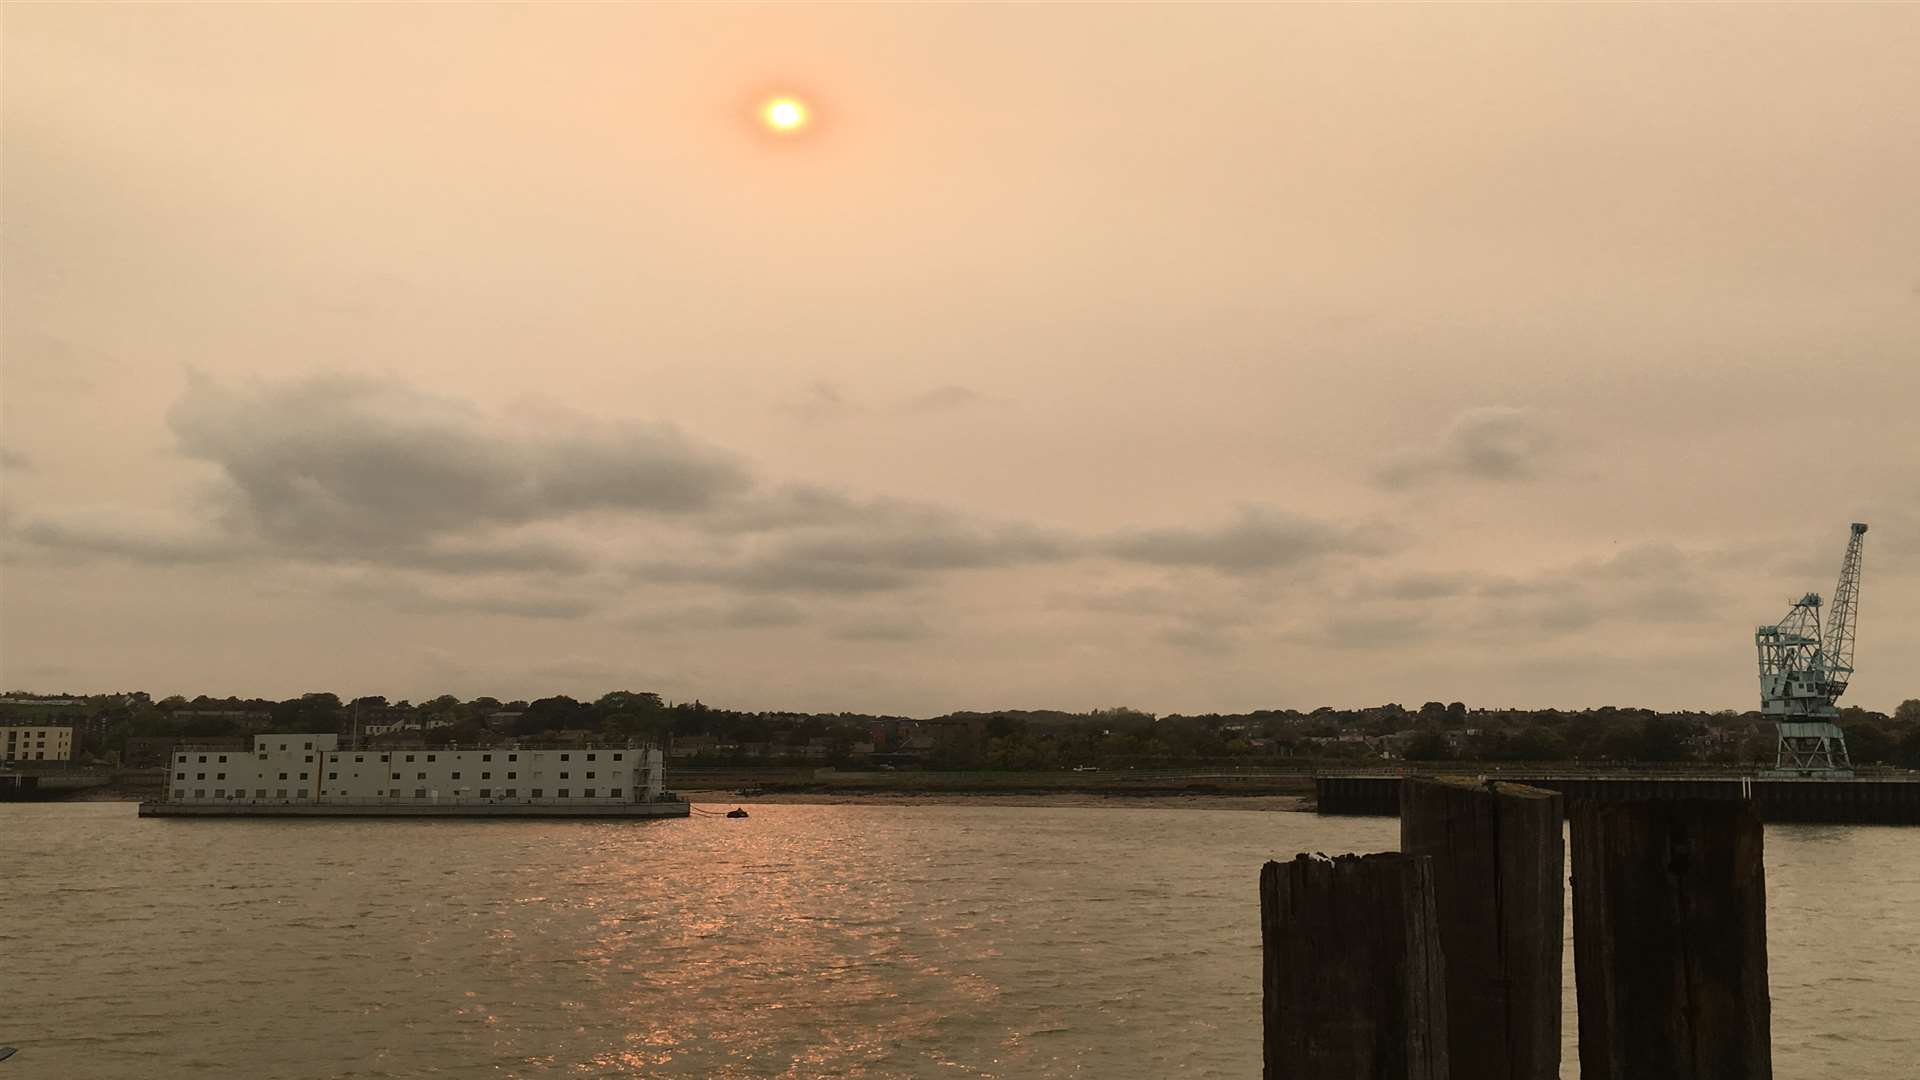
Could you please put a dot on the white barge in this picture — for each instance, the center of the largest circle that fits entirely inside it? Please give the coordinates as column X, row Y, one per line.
column 307, row 775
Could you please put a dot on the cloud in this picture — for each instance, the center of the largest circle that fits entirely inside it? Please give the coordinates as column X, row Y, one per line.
column 1418, row 586
column 841, row 545
column 1257, row 539
column 942, row 399
column 1494, row 443
column 132, row 536
column 885, row 628
column 339, row 462
column 1364, row 631
column 1202, row 639
column 754, row 613
column 470, row 598
column 820, row 401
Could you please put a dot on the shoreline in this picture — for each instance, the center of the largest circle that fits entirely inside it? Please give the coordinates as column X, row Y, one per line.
column 724, row 798
column 721, row 797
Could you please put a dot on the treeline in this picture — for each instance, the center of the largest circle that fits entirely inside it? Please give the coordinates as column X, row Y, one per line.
column 1001, row 739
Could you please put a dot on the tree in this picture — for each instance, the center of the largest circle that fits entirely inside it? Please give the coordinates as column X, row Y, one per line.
column 1908, row 712
column 1867, row 744
column 1660, row 738
column 1428, row 746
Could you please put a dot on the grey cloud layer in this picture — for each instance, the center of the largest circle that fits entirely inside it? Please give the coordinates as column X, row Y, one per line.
column 375, row 472
column 379, row 463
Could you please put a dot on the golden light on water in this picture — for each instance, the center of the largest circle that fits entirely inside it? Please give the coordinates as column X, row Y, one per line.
column 785, row 115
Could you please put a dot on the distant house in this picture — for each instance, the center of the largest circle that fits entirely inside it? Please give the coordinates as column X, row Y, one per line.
column 693, row 746
column 36, row 742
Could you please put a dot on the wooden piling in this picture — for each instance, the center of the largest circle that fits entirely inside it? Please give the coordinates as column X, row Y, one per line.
column 1353, row 978
column 1670, row 941
column 1500, row 896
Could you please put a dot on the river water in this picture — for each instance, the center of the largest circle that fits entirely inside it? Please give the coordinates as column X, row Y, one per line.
column 855, row 941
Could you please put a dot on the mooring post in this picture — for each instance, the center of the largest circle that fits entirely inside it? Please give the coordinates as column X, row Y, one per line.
column 1670, row 941
column 1499, row 883
column 1353, row 979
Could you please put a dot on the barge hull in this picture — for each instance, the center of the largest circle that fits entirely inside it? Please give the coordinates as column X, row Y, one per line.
column 607, row 812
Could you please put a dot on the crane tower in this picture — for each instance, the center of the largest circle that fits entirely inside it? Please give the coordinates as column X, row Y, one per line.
column 1804, row 670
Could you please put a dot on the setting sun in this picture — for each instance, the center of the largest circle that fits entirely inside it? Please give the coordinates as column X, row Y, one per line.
column 784, row 115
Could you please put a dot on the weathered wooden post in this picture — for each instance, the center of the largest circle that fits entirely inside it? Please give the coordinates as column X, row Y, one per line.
column 1499, row 884
column 1353, row 979
column 1670, row 941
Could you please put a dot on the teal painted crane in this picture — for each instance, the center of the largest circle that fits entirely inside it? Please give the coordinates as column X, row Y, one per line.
column 1804, row 670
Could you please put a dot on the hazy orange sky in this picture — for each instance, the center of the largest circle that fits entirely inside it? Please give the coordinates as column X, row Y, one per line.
column 1183, row 357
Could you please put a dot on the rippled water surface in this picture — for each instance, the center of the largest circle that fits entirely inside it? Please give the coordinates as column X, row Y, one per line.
column 869, row 941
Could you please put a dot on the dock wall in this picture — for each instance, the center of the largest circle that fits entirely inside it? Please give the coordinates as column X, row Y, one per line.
column 1858, row 802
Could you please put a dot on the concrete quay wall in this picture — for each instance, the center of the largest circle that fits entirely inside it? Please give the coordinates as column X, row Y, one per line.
column 1861, row 802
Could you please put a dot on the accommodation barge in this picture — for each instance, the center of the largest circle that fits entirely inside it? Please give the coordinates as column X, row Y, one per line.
column 307, row 775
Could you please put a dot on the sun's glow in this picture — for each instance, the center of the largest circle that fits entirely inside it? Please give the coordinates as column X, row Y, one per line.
column 784, row 114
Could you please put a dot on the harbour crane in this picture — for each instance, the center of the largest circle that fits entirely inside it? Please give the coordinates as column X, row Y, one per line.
column 1804, row 670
